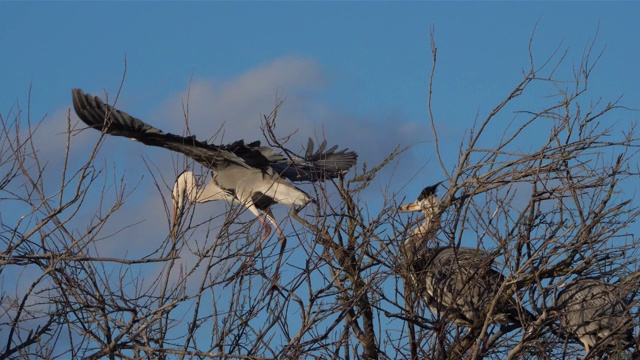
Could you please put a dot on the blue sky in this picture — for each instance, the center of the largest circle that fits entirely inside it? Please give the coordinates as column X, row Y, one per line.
column 356, row 70
column 373, row 56
column 358, row 61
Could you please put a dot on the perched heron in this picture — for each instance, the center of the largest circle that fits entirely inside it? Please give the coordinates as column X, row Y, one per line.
column 457, row 282
column 249, row 174
column 596, row 313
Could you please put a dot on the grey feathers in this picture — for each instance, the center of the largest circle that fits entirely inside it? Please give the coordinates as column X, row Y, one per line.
column 457, row 283
column 595, row 312
column 313, row 166
column 461, row 283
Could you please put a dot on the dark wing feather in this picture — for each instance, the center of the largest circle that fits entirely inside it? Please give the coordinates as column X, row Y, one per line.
column 100, row 116
column 251, row 153
column 316, row 166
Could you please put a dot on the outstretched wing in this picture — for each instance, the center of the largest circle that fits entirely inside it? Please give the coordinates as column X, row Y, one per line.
column 100, row 116
column 313, row 166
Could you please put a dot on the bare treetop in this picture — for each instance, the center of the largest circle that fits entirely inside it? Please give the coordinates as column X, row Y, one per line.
column 535, row 197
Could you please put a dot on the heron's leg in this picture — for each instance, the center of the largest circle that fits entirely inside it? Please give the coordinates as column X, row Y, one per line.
column 258, row 246
column 267, row 227
column 269, row 215
column 471, row 350
column 261, row 217
column 283, row 239
column 246, row 263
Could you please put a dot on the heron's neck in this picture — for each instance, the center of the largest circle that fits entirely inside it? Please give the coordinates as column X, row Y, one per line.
column 210, row 192
column 427, row 229
column 423, row 232
column 431, row 210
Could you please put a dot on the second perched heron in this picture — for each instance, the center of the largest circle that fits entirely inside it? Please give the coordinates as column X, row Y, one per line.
column 459, row 283
column 595, row 313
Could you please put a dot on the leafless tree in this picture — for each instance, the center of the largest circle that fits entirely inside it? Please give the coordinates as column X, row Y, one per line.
column 550, row 198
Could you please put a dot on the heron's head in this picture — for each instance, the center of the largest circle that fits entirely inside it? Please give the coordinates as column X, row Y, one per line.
column 184, row 189
column 427, row 202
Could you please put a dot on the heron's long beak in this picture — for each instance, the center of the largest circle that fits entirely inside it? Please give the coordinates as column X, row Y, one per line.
column 414, row 206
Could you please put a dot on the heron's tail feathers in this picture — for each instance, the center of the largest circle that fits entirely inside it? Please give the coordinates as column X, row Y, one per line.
column 317, row 165
column 331, row 161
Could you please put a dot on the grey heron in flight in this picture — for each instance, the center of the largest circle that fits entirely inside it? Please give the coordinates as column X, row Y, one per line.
column 245, row 173
column 458, row 282
column 597, row 314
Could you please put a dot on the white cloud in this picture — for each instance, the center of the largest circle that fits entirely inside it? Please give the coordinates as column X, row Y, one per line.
column 236, row 106
column 231, row 110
